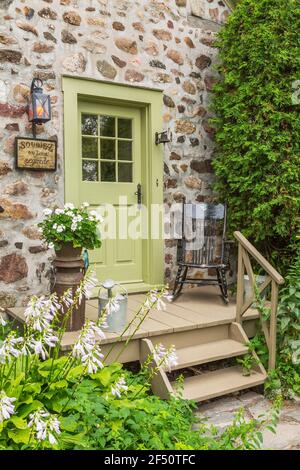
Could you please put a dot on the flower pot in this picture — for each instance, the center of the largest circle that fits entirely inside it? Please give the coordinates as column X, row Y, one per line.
column 69, row 272
column 68, row 252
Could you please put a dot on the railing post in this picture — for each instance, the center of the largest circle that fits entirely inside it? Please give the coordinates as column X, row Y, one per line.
column 240, row 285
column 273, row 325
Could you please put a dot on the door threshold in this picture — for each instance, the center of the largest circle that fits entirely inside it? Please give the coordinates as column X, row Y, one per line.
column 132, row 288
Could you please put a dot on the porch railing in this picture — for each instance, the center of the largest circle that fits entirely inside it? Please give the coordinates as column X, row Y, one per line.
column 273, row 278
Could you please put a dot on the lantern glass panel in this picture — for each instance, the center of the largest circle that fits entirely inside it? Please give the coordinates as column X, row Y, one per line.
column 40, row 108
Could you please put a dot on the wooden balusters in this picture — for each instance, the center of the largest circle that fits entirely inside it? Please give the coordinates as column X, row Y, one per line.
column 245, row 251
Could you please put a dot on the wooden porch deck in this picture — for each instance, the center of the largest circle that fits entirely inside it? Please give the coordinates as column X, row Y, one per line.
column 201, row 328
column 196, row 309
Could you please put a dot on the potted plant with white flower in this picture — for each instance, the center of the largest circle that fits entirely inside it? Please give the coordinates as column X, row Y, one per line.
column 68, row 231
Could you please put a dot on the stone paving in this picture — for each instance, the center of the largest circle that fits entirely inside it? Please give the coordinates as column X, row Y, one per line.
column 220, row 413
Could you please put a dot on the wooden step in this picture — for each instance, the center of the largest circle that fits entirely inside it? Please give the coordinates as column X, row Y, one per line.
column 209, row 352
column 219, row 382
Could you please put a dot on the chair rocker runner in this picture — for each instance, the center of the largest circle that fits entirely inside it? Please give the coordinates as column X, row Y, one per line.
column 202, row 227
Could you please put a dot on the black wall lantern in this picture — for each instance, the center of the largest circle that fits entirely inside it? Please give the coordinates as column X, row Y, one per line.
column 162, row 137
column 39, row 105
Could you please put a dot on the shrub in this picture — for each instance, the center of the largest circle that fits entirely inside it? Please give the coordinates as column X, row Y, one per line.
column 257, row 126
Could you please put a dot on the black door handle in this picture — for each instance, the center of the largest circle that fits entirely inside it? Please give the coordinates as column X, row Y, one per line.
column 138, row 193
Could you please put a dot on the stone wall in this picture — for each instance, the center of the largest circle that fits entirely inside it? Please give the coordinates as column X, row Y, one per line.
column 149, row 43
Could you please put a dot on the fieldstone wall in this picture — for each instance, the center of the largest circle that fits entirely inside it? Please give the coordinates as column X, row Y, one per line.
column 151, row 43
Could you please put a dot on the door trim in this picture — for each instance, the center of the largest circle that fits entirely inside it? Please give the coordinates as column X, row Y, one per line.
column 150, row 103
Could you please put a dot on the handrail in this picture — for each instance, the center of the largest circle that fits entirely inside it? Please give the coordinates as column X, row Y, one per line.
column 259, row 258
column 246, row 249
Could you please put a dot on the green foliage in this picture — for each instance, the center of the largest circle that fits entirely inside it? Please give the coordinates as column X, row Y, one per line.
column 285, row 379
column 81, row 402
column 257, row 125
column 248, row 361
column 92, row 418
column 71, row 225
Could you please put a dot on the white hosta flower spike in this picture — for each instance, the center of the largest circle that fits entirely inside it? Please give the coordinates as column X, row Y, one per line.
column 7, row 408
column 44, row 426
column 119, row 387
column 87, row 286
column 155, row 299
column 49, row 338
column 40, row 312
column 92, row 360
column 2, row 321
column 39, row 348
column 86, row 348
column 10, row 347
column 67, row 298
column 112, row 306
column 165, row 358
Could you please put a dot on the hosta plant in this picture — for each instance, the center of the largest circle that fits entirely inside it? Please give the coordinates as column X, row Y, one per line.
column 80, row 401
column 75, row 225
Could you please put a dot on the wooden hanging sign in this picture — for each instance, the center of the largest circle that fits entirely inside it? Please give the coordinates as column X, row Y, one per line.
column 36, row 154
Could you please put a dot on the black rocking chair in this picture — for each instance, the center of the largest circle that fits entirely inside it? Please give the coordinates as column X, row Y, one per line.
column 203, row 246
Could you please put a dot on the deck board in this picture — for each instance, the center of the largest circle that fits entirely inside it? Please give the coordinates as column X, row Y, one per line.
column 195, row 308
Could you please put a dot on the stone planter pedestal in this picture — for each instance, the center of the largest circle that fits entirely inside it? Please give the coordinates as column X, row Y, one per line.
column 69, row 272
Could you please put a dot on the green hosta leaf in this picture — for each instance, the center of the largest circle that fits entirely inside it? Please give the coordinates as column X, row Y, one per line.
column 77, row 439
column 26, row 400
column 69, row 423
column 44, row 373
column 20, row 423
column 19, row 436
column 59, row 384
column 75, row 372
column 33, row 387
column 58, row 405
column 15, row 388
column 104, row 376
column 24, row 410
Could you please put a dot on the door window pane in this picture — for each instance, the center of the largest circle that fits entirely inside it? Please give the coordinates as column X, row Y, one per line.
column 125, row 128
column 124, row 150
column 108, row 171
column 107, row 126
column 89, row 170
column 89, row 147
column 125, row 172
column 89, row 124
column 107, row 148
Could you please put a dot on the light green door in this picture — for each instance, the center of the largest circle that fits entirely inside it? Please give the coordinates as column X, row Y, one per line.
column 110, row 172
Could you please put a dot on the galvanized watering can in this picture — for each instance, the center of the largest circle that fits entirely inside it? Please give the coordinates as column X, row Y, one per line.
column 117, row 318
